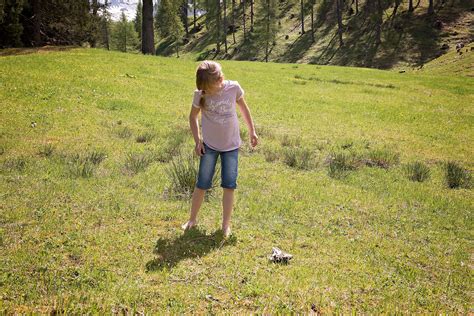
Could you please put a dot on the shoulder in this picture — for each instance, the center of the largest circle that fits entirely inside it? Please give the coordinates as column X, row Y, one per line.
column 233, row 83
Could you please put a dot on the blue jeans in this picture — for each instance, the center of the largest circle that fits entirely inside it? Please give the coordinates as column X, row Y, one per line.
column 207, row 166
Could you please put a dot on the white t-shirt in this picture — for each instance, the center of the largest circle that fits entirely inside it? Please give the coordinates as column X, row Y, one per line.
column 220, row 124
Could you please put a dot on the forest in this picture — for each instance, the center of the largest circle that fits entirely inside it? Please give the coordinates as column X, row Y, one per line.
column 372, row 33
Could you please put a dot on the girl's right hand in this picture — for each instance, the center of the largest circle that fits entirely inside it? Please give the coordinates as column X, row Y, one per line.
column 199, row 149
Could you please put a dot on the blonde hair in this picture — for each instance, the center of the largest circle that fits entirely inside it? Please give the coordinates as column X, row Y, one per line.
column 207, row 74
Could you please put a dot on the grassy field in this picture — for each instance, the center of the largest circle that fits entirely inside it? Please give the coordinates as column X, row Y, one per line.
column 88, row 222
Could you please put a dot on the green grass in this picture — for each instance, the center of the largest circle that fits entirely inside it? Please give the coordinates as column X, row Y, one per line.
column 453, row 62
column 371, row 241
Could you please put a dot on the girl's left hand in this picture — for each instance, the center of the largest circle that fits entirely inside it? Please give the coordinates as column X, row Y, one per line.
column 254, row 139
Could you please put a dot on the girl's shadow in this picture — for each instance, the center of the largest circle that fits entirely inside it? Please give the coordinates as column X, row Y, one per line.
column 192, row 243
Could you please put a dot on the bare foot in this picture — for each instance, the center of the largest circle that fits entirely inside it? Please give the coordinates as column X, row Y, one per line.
column 226, row 231
column 188, row 225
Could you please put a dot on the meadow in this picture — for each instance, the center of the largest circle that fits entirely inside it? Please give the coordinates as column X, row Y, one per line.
column 361, row 174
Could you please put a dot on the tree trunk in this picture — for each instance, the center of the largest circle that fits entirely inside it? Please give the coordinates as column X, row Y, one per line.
column 148, row 45
column 36, row 8
column 251, row 15
column 410, row 6
column 339, row 21
column 218, row 26
column 95, row 8
column 233, row 20
column 194, row 15
column 395, row 8
column 302, row 16
column 431, row 8
column 312, row 22
column 244, row 18
column 185, row 17
column 224, row 2
column 378, row 28
column 268, row 31
column 357, row 6
column 106, row 26
column 125, row 37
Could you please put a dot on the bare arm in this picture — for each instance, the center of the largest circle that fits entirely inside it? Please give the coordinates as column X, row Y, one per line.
column 194, row 125
column 244, row 109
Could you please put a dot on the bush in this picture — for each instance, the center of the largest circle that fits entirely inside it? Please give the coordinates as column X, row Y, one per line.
column 456, row 176
column 417, row 171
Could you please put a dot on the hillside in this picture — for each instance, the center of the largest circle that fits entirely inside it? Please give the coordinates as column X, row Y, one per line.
column 409, row 39
column 90, row 219
column 456, row 62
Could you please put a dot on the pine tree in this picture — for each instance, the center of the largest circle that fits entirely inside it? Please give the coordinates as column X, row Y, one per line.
column 169, row 23
column 124, row 34
column 138, row 19
column 164, row 17
column 106, row 25
column 11, row 28
column 267, row 27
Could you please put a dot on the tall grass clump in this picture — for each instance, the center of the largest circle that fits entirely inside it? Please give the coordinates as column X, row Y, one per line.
column 288, row 141
column 137, row 162
column 271, row 153
column 46, row 150
column 456, row 176
column 84, row 165
column 383, row 158
column 182, row 174
column 341, row 162
column 417, row 171
column 15, row 164
column 145, row 137
column 299, row 158
column 123, row 132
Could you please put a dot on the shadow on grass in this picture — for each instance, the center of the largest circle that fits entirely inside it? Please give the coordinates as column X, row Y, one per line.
column 191, row 244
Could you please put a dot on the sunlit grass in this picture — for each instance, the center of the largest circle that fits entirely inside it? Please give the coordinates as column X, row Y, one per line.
column 106, row 237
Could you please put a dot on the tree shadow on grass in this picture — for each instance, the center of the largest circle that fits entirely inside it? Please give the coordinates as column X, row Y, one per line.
column 191, row 244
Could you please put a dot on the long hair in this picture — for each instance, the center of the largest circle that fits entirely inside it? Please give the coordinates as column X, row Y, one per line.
column 207, row 74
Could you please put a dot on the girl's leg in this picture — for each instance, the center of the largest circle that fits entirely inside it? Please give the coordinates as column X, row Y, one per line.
column 229, row 165
column 198, row 197
column 207, row 166
column 227, row 206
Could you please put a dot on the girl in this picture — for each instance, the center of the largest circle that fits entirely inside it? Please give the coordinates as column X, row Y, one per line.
column 215, row 98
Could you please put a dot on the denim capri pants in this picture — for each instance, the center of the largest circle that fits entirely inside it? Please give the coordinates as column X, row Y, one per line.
column 207, row 165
